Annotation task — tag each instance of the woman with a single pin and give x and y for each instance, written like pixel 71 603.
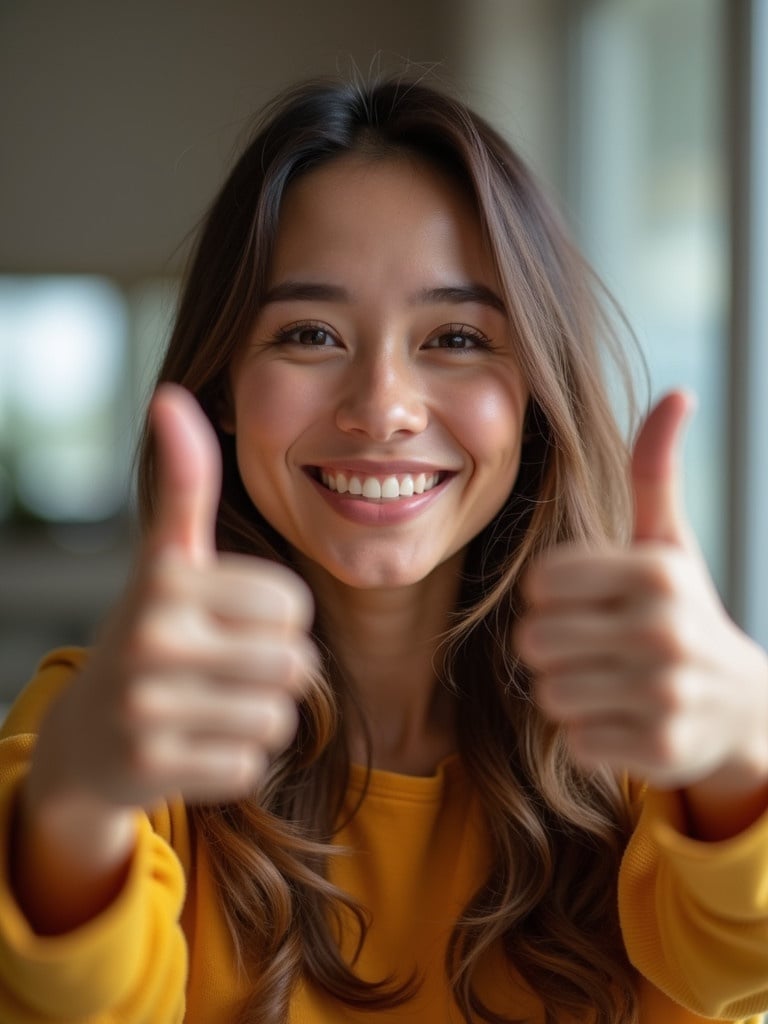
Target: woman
pixel 354 742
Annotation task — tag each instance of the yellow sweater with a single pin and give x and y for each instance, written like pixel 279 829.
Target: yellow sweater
pixel 694 915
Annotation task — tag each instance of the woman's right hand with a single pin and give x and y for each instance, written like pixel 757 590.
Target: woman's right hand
pixel 189 693
pixel 194 684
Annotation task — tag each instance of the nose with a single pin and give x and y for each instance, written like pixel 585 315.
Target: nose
pixel 383 397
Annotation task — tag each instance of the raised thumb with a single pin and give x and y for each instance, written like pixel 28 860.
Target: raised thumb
pixel 188 474
pixel 656 477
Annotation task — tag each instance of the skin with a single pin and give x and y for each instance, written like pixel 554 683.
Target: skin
pixel 364 248
pixel 383 388
pixel 193 686
pixel 190 691
pixel 635 656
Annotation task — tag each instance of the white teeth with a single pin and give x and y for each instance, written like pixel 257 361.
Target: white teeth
pixel 378 488
pixel 390 488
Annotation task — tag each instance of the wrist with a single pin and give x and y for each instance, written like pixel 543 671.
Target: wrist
pixel 733 797
pixel 70 856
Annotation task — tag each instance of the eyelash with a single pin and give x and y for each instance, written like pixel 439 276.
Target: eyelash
pixel 478 339
pixel 287 336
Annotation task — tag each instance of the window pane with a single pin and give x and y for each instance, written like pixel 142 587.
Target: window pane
pixel 649 193
pixel 63 351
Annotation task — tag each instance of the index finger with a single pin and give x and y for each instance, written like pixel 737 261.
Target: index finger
pixel 241 588
pixel 575 574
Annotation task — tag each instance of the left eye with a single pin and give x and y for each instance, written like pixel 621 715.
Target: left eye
pixel 459 337
pixel 308 335
pixel 317 336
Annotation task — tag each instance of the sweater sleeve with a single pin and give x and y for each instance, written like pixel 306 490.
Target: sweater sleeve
pixel 694 915
pixel 124 966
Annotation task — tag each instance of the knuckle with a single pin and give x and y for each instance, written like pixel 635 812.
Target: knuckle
pixel 675 638
pixel 671 740
pixel 148 640
pixel 665 745
pixel 137 704
pixel 269 590
pixel 668 693
pixel 142 758
pixel 280 723
pixel 165 637
pixel 239 772
pixel 666 575
pixel 665 632
pixel 298 667
pixel 294 605
pixel 253 768
pixel 297 597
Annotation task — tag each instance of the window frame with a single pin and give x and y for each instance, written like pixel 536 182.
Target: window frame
pixel 748 421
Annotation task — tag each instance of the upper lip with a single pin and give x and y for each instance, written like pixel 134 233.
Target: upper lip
pixel 367 467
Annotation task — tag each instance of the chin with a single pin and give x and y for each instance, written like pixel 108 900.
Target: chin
pixel 378 579
pixel 384 573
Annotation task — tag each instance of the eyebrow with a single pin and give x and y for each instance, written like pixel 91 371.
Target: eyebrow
pixel 318 292
pixel 303 290
pixel 457 294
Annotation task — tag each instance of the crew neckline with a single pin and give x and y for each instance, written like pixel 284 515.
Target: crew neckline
pixel 380 782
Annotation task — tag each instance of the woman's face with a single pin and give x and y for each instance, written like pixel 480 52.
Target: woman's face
pixel 378 403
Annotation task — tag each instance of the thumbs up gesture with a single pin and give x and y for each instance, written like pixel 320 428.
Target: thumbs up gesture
pixel 194 685
pixel 631 649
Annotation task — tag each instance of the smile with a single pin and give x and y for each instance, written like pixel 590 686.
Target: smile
pixel 379 488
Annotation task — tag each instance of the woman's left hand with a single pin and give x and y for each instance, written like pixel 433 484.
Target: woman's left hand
pixel 633 652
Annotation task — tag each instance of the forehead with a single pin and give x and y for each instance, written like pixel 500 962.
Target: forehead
pixel 362 210
pixel 400 170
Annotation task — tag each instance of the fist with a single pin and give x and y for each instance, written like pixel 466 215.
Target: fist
pixel 195 683
pixel 631 650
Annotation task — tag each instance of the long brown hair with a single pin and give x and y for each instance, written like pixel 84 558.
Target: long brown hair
pixel 557 833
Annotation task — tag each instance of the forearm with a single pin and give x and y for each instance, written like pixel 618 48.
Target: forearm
pixel 66 864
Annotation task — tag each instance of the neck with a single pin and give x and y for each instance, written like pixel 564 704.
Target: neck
pixel 387 643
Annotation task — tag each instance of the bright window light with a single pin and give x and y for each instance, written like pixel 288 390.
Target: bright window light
pixel 63 356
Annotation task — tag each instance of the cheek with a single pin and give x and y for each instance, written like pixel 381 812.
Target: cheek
pixel 271 408
pixel 489 423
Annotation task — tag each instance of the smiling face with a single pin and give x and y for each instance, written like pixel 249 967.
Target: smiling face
pixel 377 404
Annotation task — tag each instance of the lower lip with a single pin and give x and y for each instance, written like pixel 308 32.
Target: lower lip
pixel 379 513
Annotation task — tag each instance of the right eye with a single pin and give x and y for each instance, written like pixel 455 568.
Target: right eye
pixel 306 334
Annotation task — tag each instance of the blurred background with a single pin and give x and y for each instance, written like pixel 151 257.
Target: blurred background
pixel 646 119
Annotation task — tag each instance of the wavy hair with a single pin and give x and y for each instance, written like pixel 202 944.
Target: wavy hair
pixel 557 833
